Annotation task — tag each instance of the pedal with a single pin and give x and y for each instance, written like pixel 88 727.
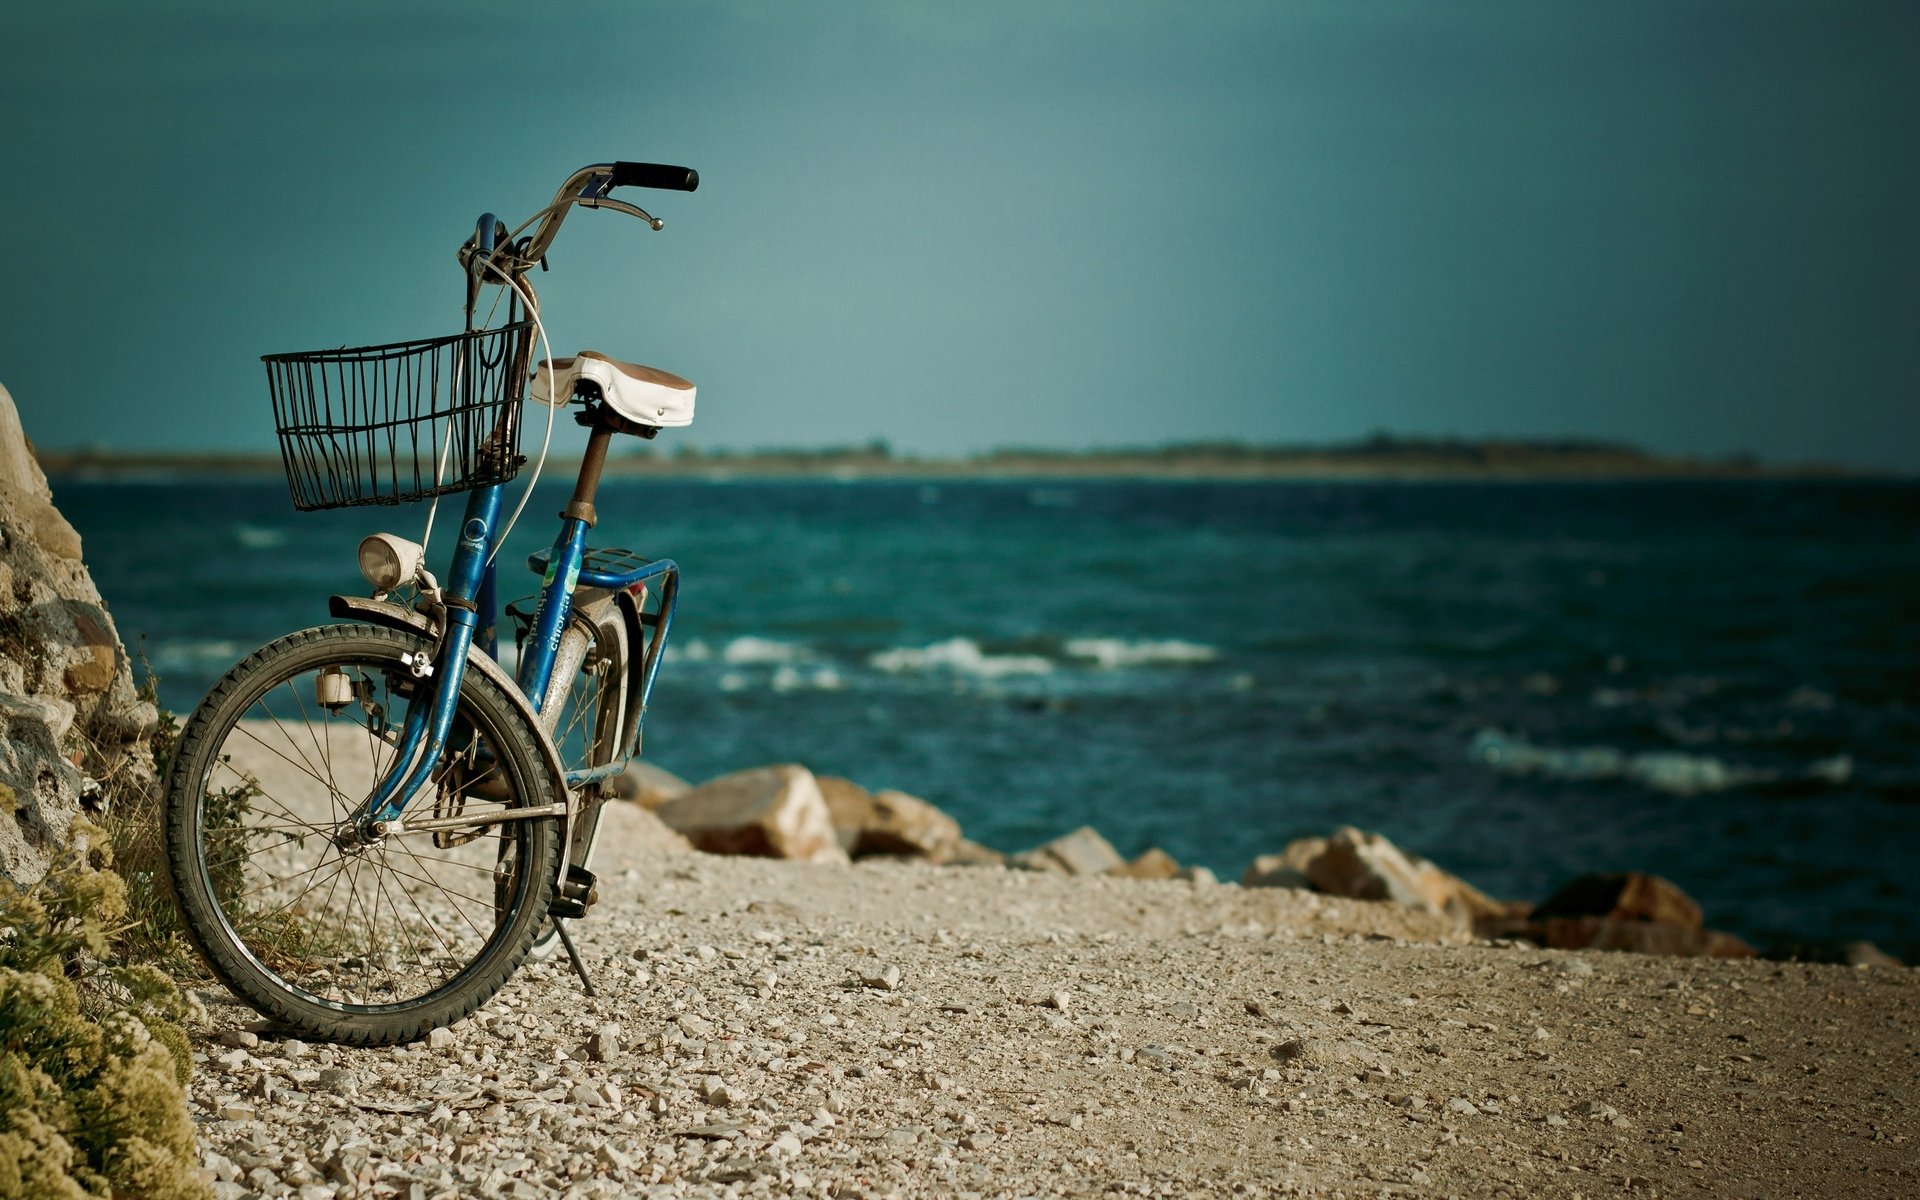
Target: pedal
pixel 575 894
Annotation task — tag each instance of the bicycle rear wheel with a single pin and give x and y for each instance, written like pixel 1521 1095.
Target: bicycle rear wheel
pixel 372 941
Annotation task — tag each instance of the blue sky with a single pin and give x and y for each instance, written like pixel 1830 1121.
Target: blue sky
pixel 958 226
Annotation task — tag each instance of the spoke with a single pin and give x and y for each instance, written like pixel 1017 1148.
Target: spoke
pixel 326 756
pixel 438 886
pixel 281 726
pixel 241 727
pixel 430 923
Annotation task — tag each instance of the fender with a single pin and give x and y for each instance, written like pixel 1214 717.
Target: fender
pixel 636 671
pixel 392 616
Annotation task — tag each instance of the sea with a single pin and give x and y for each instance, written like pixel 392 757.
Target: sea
pixel 1718 682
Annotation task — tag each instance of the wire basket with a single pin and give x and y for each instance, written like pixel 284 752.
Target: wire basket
pixel 400 422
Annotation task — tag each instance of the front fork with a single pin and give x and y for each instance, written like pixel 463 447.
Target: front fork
pixel 423 737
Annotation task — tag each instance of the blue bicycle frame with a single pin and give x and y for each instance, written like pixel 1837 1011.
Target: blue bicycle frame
pixel 469 608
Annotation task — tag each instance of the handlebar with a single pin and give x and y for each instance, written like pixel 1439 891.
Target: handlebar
pixel 511 256
pixel 655 175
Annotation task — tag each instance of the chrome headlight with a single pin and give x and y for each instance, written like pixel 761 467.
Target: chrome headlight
pixel 388 561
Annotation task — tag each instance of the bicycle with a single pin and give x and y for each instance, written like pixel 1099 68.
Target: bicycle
pixel 370 824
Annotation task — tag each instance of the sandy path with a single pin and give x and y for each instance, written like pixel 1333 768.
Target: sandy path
pixel 888 1029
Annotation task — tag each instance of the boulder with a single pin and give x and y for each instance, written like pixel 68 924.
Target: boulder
pixel 1866 954
pixel 1639 937
pixel 1366 866
pixel 649 786
pixel 888 822
pixel 1082 852
pixel 73 730
pixel 848 806
pixel 1287 868
pixel 633 836
pixel 1153 863
pixel 1627 910
pixel 774 812
pixel 904 824
pixel 973 854
pixel 1623 896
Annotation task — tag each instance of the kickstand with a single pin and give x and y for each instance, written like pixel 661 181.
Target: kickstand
pixel 579 968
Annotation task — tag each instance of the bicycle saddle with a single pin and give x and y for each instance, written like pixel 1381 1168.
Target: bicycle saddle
pixel 643 395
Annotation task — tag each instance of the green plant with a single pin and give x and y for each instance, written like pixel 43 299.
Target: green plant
pixel 93 1061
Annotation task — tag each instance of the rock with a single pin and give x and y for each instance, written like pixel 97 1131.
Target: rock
pixel 973 854
pixel 604 1045
pixel 1153 863
pixel 848 805
pixel 1366 866
pixel 1639 937
pixel 1197 876
pixel 647 785
pixel 1287 868
pixel 239 1039
pixel 904 824
pixel 773 812
pixel 440 1039
pixel 1866 954
pixel 1624 896
pixel 66 691
pixel 887 980
pixel 1461 1106
pixel 1631 911
pixel 887 822
pixel 1082 852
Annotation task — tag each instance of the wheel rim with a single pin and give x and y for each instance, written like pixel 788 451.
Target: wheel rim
pixel 387 924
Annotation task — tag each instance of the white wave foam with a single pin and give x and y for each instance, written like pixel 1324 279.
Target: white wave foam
pixel 1112 653
pixel 961 655
pixel 759 651
pixel 259 537
pixel 791 679
pixel 691 650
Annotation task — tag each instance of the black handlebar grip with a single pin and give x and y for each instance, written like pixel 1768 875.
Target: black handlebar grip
pixel 655 175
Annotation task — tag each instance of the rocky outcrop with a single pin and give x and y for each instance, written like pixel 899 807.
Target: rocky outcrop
pixel 73 731
pixel 1623 911
pixel 774 812
pixel 1153 863
pixel 1623 896
pixel 1367 866
pixel 647 785
pixel 1082 852
pixel 888 822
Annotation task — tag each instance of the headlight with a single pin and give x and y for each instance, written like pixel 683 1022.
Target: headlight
pixel 388 561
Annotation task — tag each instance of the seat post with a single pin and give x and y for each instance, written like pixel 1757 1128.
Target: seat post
pixel 580 508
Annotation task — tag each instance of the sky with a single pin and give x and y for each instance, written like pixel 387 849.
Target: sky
pixel 1692 226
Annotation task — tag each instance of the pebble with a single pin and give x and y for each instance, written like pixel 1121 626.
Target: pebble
pixel 240 1039
pixel 1463 1106
pixel 440 1039
pixel 887 979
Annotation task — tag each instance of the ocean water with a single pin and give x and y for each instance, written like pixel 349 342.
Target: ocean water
pixel 1717 682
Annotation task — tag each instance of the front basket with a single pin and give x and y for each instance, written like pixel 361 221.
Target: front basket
pixel 390 424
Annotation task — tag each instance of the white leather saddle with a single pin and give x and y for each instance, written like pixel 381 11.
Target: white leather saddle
pixel 643 395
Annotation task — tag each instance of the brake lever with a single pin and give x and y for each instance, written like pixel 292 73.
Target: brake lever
pixel 632 210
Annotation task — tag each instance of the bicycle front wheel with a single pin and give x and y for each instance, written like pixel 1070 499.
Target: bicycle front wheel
pixel 365 940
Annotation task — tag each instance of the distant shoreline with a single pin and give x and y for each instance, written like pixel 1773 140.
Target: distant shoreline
pixel 1379 459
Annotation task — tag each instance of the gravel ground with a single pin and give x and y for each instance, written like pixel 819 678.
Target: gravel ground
pixel 886 1029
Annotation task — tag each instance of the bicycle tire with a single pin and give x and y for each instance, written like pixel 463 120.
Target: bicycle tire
pixel 589 725
pixel 320 963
